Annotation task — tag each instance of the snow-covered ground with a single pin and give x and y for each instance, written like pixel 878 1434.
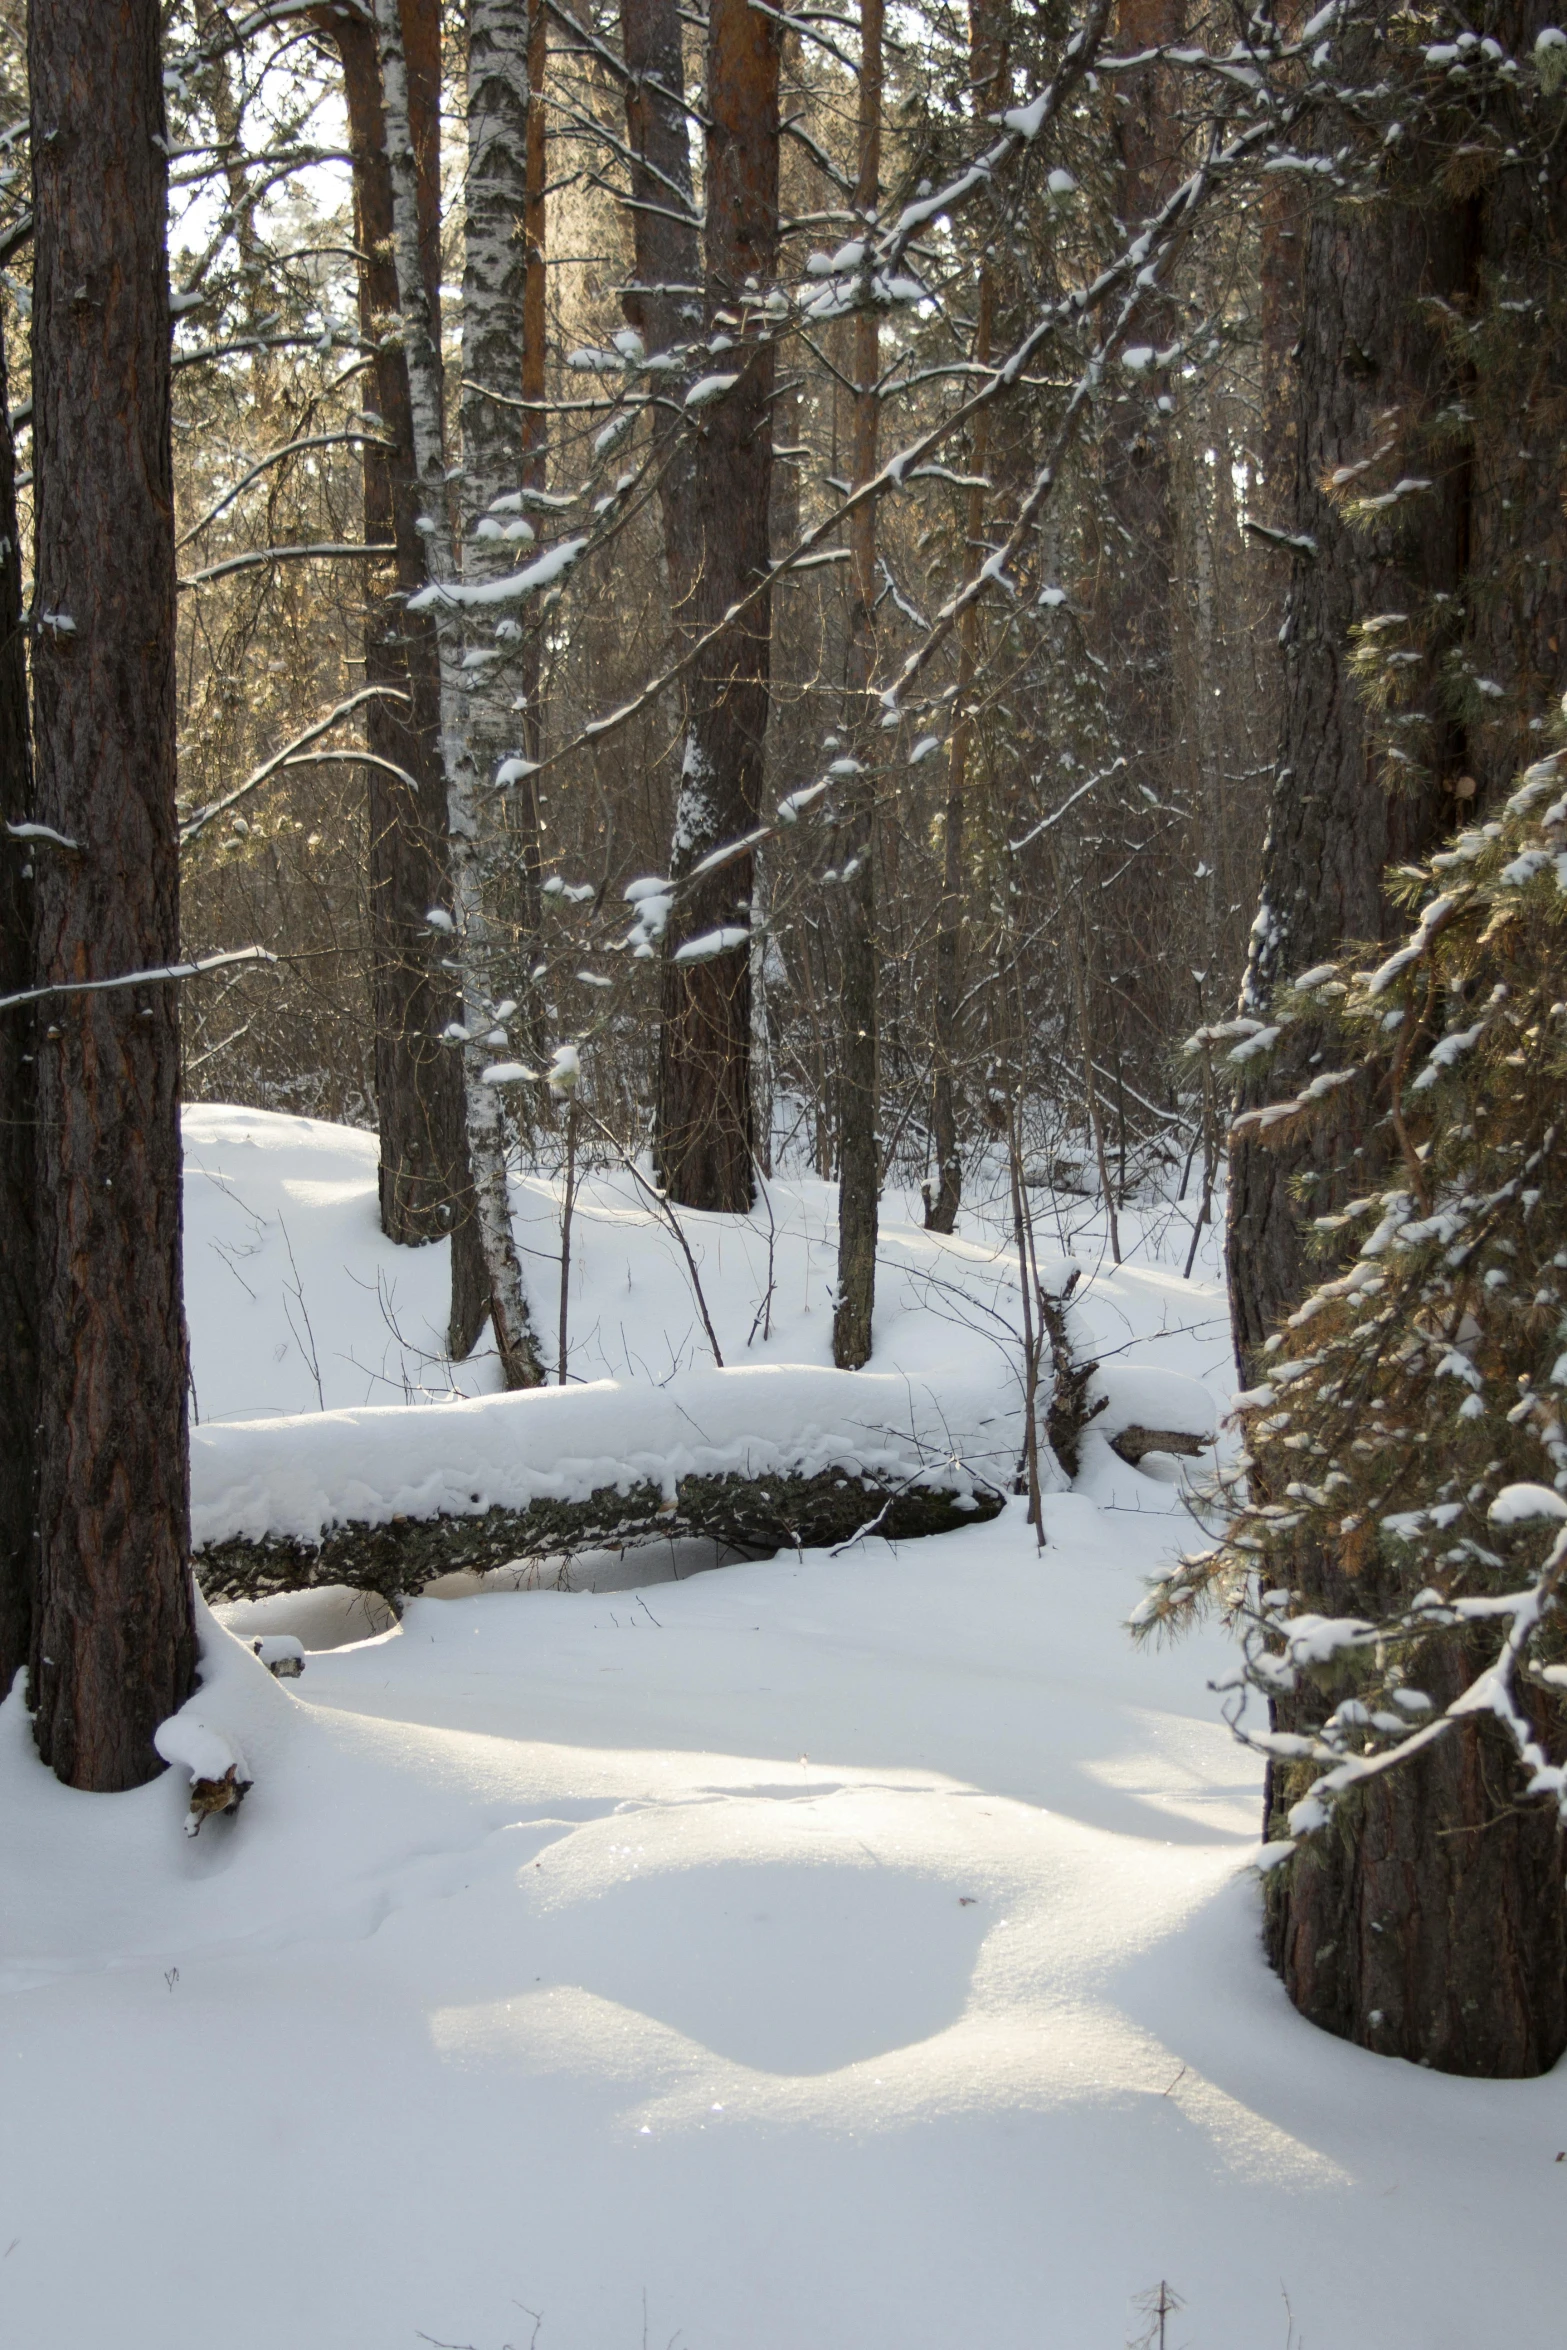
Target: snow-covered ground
pixel 852 1951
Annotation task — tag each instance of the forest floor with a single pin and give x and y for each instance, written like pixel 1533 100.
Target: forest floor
pixel 831 1952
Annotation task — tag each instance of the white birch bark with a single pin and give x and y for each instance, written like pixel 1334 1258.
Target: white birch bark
pixel 471 936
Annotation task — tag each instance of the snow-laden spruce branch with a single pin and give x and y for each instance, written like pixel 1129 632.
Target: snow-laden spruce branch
pixel 161 972
pixel 198 821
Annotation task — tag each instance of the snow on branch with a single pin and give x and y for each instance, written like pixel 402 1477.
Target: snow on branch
pixel 326 551
pixel 202 817
pixel 162 971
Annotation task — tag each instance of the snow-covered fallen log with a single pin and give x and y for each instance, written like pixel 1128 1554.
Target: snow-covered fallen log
pixel 390 1497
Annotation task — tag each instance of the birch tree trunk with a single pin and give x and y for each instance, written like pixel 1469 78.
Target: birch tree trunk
pixel 523 821
pixel 426 1190
pixel 704 1134
pixel 114 1650
pixel 859 1148
pixel 470 931
pixel 18 1107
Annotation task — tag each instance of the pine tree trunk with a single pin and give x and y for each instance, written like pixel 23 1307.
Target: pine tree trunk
pixel 664 302
pixel 704 1142
pixel 1433 1924
pixel 859 1147
pixel 426 1190
pixel 18 1106
pixel 114 1651
pixel 990 28
pixel 470 933
pixel 1366 346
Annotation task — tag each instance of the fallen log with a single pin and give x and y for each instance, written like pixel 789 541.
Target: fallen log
pixel 761 1514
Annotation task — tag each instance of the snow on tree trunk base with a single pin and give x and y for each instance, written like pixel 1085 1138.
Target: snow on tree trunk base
pixel 761 1514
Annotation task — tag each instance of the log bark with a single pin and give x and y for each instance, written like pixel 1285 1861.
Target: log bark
pixel 114 1650
pixel 426 1190
pixel 704 1128
pixel 18 1106
pixel 784 1513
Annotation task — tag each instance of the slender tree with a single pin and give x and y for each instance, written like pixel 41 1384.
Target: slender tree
pixel 989 44
pixel 859 1147
pixel 426 1190
pixel 465 812
pixel 663 302
pixel 18 1103
pixel 704 1141
pixel 114 1650
pixel 524 821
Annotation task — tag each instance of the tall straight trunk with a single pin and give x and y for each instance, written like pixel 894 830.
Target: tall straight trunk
pixel 1435 1926
pixel 426 1190
pixel 114 1650
pixel 859 1149
pixel 664 302
pixel 1134 604
pixel 704 1142
pixel 523 821
pixel 470 931
pixel 989 40
pixel 494 303
pixel 18 1106
pixel 1368 345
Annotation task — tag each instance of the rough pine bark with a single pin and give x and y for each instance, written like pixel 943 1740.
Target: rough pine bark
pixel 859 1147
pixel 1433 1924
pixel 704 1136
pixel 18 1106
pixel 114 1651
pixel 664 300
pixel 1430 1923
pixel 426 1190
pixel 1368 346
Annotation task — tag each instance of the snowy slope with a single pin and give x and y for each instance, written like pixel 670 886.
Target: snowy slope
pixel 851 1951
